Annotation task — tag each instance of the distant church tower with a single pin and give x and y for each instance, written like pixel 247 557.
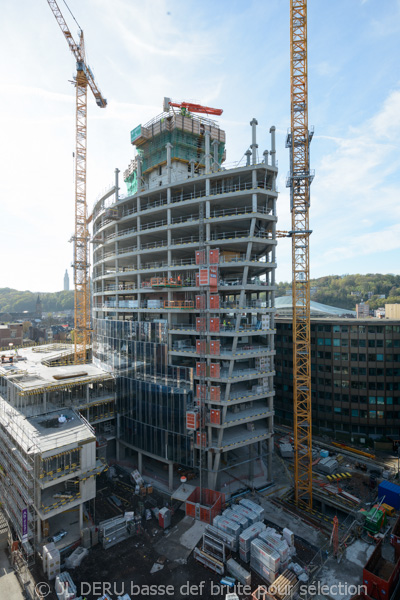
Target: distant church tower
pixel 39 308
pixel 66 281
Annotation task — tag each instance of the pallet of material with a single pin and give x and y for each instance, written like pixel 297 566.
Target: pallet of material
pixel 238 572
pixel 250 515
pixel 283 585
pixel 237 517
pixel 208 561
pixel 228 526
pixel 254 507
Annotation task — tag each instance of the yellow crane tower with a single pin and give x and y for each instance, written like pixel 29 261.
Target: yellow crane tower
pixel 84 78
pixel 299 180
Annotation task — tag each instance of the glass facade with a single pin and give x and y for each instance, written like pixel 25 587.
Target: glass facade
pixel 152 395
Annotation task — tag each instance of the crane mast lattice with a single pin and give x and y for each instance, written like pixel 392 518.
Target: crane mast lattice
pixel 299 180
pixel 84 78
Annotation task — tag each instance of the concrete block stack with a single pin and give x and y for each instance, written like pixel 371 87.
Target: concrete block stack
pixel 52 563
pixel 280 546
pixel 251 516
pixel 246 537
pixel 237 517
pixel 254 507
pixel 228 526
pixel 264 560
pixel 238 572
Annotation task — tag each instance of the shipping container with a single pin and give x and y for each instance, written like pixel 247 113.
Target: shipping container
pixel 391 492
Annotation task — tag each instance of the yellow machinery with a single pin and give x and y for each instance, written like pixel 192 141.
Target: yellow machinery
pixel 84 77
pixel 299 180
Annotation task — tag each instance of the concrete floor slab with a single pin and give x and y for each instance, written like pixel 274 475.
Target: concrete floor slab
pixel 9 584
pixel 181 540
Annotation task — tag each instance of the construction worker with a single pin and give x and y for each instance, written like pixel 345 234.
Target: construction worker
pixel 224 324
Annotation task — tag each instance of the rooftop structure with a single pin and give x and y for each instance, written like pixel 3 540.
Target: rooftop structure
pixel 184 283
pixel 284 305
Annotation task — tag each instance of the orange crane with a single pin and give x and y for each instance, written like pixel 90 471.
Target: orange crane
pixel 189 106
pixel 84 78
pixel 299 180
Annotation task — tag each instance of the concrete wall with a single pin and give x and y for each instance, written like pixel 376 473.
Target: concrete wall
pixel 392 311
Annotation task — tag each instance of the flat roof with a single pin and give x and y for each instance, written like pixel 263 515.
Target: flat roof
pixel 30 376
pixel 46 434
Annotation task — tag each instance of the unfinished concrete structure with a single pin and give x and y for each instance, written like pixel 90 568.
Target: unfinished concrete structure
pixel 184 300
pixel 48 454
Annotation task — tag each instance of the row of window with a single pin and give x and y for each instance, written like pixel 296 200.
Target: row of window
pixel 355 342
pixel 380 329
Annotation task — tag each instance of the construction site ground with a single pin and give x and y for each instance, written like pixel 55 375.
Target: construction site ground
pixel 156 557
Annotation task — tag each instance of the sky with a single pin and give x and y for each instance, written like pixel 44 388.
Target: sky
pixel 228 54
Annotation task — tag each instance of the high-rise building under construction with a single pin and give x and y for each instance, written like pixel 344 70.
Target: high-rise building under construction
pixel 184 283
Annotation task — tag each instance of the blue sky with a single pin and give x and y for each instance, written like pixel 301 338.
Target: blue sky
pixel 228 54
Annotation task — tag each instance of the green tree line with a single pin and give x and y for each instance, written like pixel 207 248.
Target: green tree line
pixel 17 301
pixel 336 290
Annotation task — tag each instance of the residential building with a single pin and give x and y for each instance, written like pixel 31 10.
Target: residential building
pixel 362 310
pixel 184 283
pixel 11 334
pixel 392 311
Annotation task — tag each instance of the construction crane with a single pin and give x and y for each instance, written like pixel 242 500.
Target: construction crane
pixel 190 107
pixel 299 180
pixel 84 78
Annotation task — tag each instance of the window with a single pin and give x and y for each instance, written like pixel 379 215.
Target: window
pixel 345 356
pixel 160 169
pixel 361 329
pixel 362 371
pixel 345 329
pixel 320 341
pixel 337 409
pixel 336 342
pixel 354 370
pixel 380 414
pixel 372 399
pixel 380 400
pixel 371 343
pixel 345 342
pixel 336 356
pixel 389 400
pixel 362 357
pixel 328 341
pixel 372 414
pixel 336 329
pixel 362 343
pixel 353 357
pixel 379 357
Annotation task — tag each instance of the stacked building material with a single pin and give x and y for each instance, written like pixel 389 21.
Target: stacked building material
pixel 280 546
pixel 113 531
pixel 230 541
pixel 238 572
pixel 75 559
pixel 53 563
pixel 254 507
pixel 246 538
pixel 214 546
pixel 264 560
pixel 250 515
pixel 230 527
pixel 237 517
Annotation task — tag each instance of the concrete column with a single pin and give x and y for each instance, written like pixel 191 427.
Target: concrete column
pixel 139 173
pixel 81 517
pixel 169 165
pixel 269 457
pixel 254 144
pixel 273 146
pixel 247 155
pixel 116 185
pixel 208 152
pixel 192 162
pixel 38 530
pixel 215 144
pixel 140 462
pixel 171 476
pixel 265 155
